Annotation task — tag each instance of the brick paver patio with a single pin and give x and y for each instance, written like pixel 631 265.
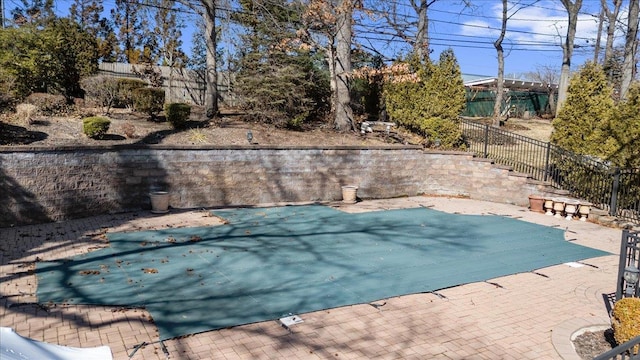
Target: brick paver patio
pixel 511 317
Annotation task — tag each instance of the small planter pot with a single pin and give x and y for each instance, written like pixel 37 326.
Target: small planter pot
pixel 536 203
pixel 548 206
pixel 558 207
pixel 159 202
pixel 571 208
pixel 349 194
pixel 584 210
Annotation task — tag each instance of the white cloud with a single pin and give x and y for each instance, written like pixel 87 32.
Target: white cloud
pixel 543 23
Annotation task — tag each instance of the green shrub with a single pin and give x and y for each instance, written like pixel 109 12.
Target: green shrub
pixel 95 127
pixel 581 124
pixel 626 320
pixel 125 87
pixel 148 100
pixel 177 114
pixel 47 58
pixel 48 104
pixel 624 128
pixel 427 98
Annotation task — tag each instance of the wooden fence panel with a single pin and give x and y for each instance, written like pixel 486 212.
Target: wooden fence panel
pixel 180 84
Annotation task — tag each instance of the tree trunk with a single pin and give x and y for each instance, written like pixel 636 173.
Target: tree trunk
pixel 333 80
pixel 500 85
pixel 567 50
pixel 629 64
pixel 552 100
pixel 612 17
pixel 422 34
pixel 596 52
pixel 211 73
pixel 343 115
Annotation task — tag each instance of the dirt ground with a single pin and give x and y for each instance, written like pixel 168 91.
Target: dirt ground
pixel 128 127
pixel 594 343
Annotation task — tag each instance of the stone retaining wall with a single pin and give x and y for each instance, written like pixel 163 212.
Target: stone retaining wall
pixel 41 185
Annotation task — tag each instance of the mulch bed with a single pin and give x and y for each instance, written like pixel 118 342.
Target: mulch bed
pixel 594 343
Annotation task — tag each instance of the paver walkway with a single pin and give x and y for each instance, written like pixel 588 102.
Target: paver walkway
pixel 511 317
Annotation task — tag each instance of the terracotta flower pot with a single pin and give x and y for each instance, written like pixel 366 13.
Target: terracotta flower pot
pixel 536 203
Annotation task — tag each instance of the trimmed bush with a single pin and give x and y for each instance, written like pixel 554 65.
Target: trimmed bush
pixel 125 91
pixel 177 114
pixel 626 320
pixel 48 104
pixel 148 100
pixel 95 127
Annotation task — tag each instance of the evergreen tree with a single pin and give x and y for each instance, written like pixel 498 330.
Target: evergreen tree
pixel 107 41
pixel 51 60
pixel 167 32
pixel 128 20
pixel 624 129
pixel 33 12
pixel 87 14
pixel 581 125
pixel 427 98
pixel 366 87
pixel 277 82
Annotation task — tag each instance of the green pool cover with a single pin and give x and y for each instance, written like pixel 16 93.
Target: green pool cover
pixel 268 262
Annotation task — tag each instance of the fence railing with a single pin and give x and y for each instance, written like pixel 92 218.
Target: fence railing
pixel 627 351
pixel 609 188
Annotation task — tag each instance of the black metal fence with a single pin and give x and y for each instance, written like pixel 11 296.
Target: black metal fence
pixel 609 188
pixel 626 351
pixel 629 257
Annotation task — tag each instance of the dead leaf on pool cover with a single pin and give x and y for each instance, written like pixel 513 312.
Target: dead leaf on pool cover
pixel 150 271
pixel 89 272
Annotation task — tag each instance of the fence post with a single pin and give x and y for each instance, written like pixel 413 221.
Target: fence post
pixel 486 141
pixel 546 161
pixel 614 191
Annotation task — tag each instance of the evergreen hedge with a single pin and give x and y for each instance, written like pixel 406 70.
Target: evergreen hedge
pixel 126 86
pixel 428 98
pixel 177 114
pixel 148 100
pixel 95 127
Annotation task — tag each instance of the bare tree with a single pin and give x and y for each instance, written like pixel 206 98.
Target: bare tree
pixel 415 33
pixel 631 41
pixel 497 105
pixel 211 74
pixel 500 52
pixel 331 20
pixel 207 10
pixel 612 17
pixel 344 114
pixel 548 76
pixel 567 49
pixel 596 52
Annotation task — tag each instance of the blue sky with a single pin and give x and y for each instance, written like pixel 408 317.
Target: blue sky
pixel 532 40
